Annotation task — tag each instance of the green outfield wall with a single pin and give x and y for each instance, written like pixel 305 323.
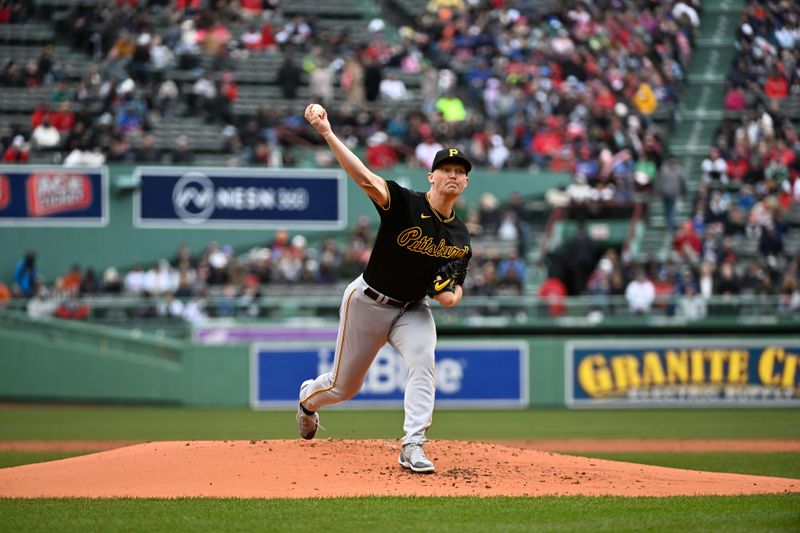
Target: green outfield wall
pixel 121 244
pixel 56 360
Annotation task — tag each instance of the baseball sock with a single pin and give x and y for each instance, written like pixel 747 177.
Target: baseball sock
pixel 306 411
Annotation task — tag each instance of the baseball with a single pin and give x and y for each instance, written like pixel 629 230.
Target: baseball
pixel 317 109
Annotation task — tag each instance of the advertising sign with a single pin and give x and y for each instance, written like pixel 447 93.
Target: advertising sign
pixel 53 196
pixel 467 374
pixel 206 198
pixel 682 372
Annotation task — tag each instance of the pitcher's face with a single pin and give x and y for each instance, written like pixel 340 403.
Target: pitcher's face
pixel 448 179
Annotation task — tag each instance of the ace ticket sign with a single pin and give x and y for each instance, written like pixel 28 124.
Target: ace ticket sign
pixel 44 196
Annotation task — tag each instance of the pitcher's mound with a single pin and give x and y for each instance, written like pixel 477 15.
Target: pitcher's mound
pixel 326 468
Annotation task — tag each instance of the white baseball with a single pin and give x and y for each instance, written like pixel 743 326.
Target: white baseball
pixel 317 110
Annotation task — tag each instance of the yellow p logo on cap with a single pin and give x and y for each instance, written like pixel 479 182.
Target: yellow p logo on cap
pixel 453 152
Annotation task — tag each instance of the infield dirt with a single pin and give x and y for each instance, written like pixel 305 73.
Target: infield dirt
pixel 330 468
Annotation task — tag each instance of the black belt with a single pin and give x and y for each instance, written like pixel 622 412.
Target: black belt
pixel 382 299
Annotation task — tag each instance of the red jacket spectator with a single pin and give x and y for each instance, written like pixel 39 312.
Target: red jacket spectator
pixel 553 291
pixel 252 8
pixel 776 87
pixel 228 87
pixel 267 36
pixel 379 153
pixel 605 99
pixel 739 166
pixel 735 100
pixel 685 238
pixel 18 151
pixel 188 5
pixel 663 293
pixel 547 142
pixel 39 113
pixel 63 119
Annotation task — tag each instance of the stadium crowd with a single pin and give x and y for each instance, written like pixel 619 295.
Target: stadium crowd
pixel 587 88
pixel 575 87
pixel 181 286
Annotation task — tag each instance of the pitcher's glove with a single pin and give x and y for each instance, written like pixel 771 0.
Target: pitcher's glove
pixel 448 276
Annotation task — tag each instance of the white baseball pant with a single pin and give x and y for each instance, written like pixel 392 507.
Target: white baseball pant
pixel 364 327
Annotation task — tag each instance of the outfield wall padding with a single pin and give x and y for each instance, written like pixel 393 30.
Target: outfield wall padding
pixel 57 360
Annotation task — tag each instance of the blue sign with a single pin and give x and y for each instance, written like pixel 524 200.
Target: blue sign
pixel 467 374
pixel 53 196
pixel 207 198
pixel 677 372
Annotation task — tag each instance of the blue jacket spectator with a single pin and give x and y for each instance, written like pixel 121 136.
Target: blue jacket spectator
pixel 25 275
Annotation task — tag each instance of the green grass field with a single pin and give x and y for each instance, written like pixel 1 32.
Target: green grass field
pixel 413 515
pixel 465 515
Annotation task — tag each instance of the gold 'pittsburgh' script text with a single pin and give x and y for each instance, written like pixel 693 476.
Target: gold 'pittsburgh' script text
pixel 413 240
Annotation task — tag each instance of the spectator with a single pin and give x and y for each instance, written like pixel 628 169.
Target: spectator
pixel 41 305
pixel 260 156
pixel 579 256
pixel 181 153
pixel 512 272
pixel 776 87
pixel 45 135
pixel 320 81
pixel 770 243
pixel 12 76
pixel 379 153
pixel 251 38
pixel 5 295
pixel 691 305
pixel 426 150
pixel 715 168
pixel 204 92
pixel 289 77
pixel 640 293
pixel 18 151
pixel 159 279
pixel 735 99
pixel 727 282
pixel 671 186
pixel 167 98
pixel 26 275
pixel 71 281
pixel 599 285
pixel 82 156
pixel 789 298
pixel 134 280
pixel 645 99
pixel 352 81
pixel 451 107
pixel 392 88
pixel 148 152
pixel 553 292
pixel 373 75
pixel 498 153
pixel 111 282
pixel 297 32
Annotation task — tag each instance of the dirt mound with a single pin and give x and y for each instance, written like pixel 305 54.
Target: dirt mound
pixel 328 468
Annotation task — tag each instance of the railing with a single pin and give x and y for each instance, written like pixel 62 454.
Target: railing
pixel 503 310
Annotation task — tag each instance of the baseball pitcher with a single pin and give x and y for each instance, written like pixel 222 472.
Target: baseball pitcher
pixel 422 249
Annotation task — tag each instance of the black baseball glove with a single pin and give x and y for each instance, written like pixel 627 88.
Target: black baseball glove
pixel 448 276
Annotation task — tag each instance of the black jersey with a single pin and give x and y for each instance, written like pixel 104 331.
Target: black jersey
pixel 413 241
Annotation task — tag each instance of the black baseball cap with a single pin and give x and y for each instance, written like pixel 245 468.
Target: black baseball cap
pixel 450 154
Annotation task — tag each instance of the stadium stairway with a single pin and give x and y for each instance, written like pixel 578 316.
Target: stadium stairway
pixel 698 116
